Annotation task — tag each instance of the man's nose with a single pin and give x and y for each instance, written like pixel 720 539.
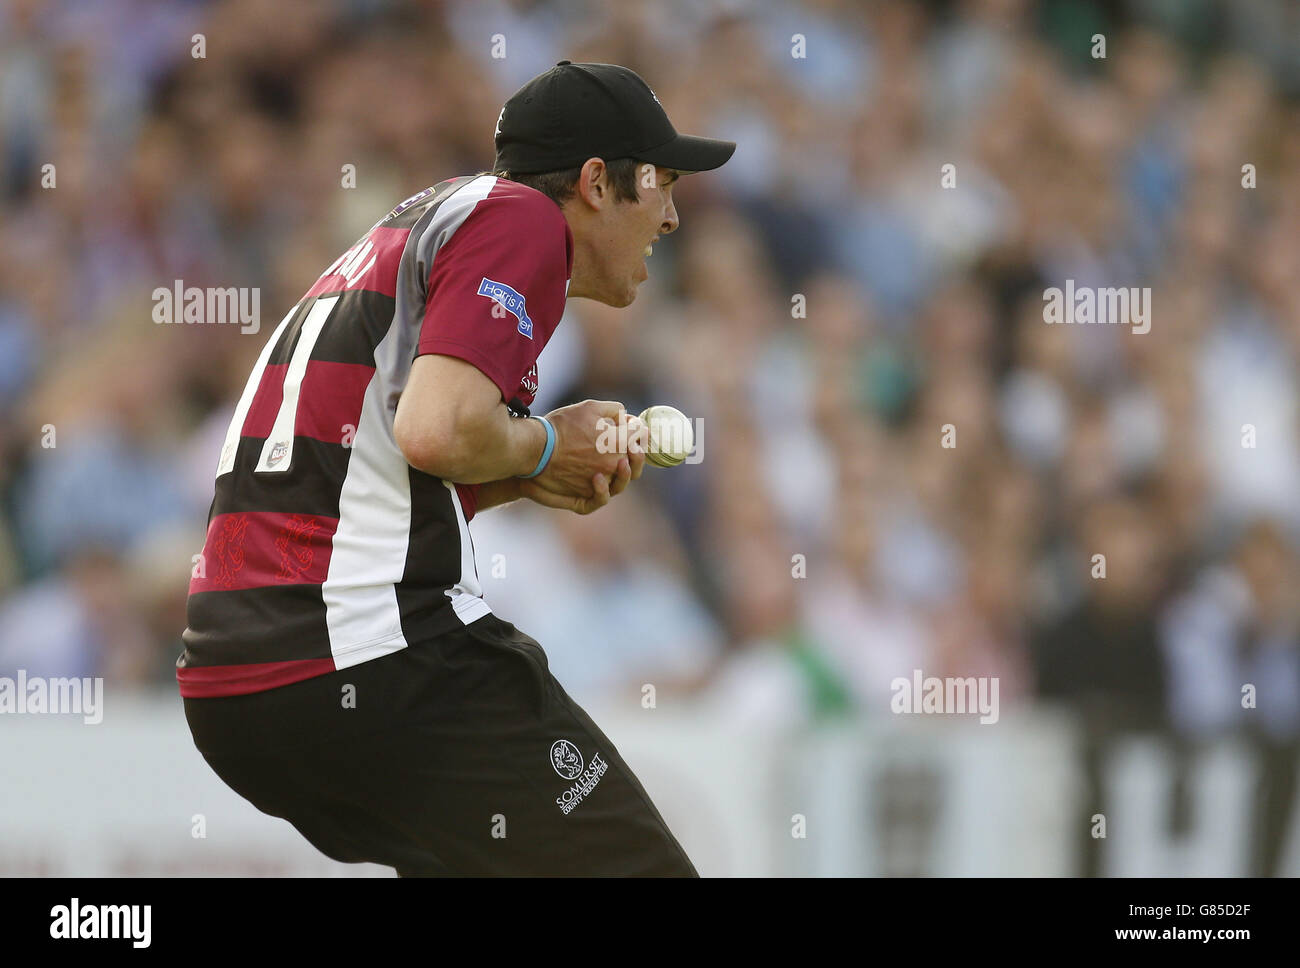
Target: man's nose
pixel 670 220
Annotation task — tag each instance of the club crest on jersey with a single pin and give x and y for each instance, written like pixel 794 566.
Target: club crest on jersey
pixel 509 300
pixel 566 759
pixel 567 762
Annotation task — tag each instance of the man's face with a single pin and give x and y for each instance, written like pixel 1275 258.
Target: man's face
pixel 625 232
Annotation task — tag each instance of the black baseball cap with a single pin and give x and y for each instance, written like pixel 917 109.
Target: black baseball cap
pixel 573 112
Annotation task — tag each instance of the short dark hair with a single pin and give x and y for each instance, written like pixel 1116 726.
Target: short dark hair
pixel 560 186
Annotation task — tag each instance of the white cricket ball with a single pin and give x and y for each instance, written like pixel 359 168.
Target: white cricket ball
pixel 671 435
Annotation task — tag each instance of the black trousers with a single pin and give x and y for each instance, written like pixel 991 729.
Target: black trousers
pixel 460 755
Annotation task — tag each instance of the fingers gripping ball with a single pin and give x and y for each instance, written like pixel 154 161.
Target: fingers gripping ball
pixel 671 435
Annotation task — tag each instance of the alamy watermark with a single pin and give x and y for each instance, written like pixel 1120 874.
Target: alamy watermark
pixel 949 696
pixel 674 439
pixel 78 922
pixel 31 695
pixel 212 306
pixel 1109 305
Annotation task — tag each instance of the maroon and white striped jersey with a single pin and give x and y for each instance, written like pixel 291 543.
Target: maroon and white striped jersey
pixel 325 548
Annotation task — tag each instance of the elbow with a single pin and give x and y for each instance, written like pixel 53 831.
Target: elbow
pixel 437 450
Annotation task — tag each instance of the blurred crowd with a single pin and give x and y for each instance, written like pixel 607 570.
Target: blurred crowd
pixel 835 311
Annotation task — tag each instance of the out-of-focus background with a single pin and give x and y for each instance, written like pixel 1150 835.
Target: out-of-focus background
pixel 826 308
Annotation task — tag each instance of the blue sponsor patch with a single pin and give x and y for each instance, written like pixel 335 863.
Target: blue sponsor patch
pixel 509 300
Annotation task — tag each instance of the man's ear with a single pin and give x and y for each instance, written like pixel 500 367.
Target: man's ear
pixel 593 183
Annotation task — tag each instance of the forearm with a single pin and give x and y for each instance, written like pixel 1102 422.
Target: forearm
pixel 494 493
pixel 451 422
pixel 495 449
pixel 477 449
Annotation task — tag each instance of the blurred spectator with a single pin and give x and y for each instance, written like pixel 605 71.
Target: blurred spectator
pixel 1233 643
pixel 1103 657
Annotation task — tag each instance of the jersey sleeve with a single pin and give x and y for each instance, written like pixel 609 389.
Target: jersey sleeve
pixel 468 494
pixel 497 286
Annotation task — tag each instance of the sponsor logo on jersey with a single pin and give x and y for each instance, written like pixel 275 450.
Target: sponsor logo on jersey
pixel 509 300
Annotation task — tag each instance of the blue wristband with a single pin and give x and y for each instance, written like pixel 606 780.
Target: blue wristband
pixel 548 450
